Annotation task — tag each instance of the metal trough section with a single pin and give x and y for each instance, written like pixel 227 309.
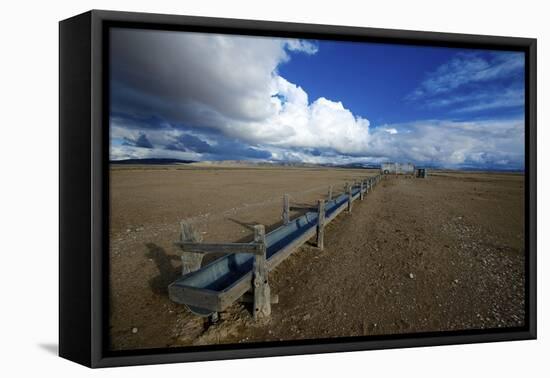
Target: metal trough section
pixel 217 285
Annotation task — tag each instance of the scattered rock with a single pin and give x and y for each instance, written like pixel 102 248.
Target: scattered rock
pixel 411 276
pixel 306 317
pixel 134 330
pixel 371 327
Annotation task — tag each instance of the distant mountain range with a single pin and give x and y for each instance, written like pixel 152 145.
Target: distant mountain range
pixel 164 161
pixel 156 161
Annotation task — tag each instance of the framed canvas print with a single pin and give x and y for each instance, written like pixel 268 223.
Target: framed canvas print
pixel 234 188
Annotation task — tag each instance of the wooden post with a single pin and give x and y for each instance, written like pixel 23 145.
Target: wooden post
pixel 321 224
pixel 190 261
pixel 286 209
pixel 330 193
pixel 349 198
pixel 262 292
pixel 361 191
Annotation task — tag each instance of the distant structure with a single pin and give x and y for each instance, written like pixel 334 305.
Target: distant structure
pixel 421 173
pixel 397 168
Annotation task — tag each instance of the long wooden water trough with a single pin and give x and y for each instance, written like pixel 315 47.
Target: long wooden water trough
pixel 242 274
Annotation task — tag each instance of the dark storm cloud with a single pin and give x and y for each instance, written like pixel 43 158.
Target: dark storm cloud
pixel 140 141
pixel 132 121
pixel 187 142
pixel 189 76
pixel 223 149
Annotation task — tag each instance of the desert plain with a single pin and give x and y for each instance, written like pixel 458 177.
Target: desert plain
pixel 416 255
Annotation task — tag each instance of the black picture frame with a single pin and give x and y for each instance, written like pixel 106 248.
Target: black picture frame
pixel 84 187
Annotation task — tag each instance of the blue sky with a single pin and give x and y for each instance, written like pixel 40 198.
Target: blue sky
pixel 352 72
pixel 212 97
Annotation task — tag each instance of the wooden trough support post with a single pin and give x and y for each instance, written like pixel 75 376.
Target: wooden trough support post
pixel 190 261
pixel 286 209
pixel 262 292
pixel 361 195
pixel 321 224
pixel 330 193
pixel 350 197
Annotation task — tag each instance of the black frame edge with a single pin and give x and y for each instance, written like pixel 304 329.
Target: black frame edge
pixel 531 157
pixel 75 308
pixel 260 352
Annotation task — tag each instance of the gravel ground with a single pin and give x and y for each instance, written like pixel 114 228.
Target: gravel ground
pixel 446 253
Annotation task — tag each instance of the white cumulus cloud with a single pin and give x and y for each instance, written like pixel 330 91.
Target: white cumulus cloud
pixel 229 83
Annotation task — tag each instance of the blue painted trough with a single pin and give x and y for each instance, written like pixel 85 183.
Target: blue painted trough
pixel 219 284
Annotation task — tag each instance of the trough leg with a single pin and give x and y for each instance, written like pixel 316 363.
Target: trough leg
pixel 190 261
pixel 321 224
pixel 361 191
pixel 262 292
pixel 330 193
pixel 214 318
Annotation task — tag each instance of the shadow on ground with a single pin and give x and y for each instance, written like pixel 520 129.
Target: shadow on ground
pixel 51 348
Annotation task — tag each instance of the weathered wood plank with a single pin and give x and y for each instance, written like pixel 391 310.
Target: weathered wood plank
pixel 321 224
pixel 350 197
pixel 262 292
pixel 286 209
pixel 220 248
pixel 190 261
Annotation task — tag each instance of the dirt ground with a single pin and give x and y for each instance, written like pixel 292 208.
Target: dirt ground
pixel 445 253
